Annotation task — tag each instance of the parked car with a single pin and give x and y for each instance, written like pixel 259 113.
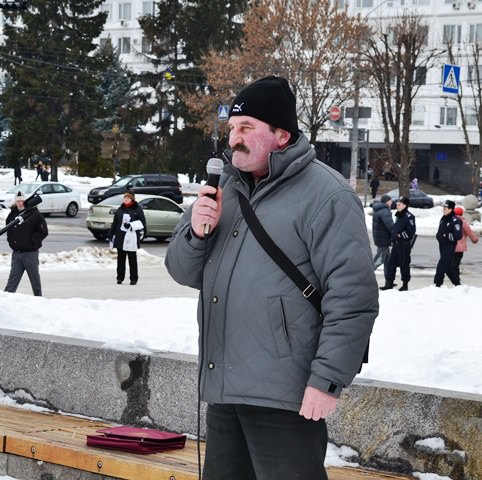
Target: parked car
pixel 149 184
pixel 162 216
pixel 56 197
pixel 418 199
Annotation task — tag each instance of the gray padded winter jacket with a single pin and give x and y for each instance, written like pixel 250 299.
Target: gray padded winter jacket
pixel 263 341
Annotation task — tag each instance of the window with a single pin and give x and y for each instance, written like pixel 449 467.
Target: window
pixel 107 7
pixel 475 33
pixel 452 34
pixel 418 115
pixel 364 3
pixel 104 42
pixel 146 46
pixel 420 76
pixel 473 77
pixel 470 115
pixel 448 115
pixel 420 2
pixel 124 45
pixel 124 11
pixel 147 8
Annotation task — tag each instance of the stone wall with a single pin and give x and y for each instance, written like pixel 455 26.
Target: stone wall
pixel 385 423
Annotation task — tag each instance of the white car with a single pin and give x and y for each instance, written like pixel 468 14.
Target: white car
pixel 162 215
pixel 56 197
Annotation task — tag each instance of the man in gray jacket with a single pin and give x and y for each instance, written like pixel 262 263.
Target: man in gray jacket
pixel 272 368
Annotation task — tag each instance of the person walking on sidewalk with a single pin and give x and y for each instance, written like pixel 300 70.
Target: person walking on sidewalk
pixel 25 240
pixel 129 212
pixel 461 246
pixel 382 231
pixel 448 234
pixel 403 233
pixel 268 370
pixel 374 184
pixel 17 172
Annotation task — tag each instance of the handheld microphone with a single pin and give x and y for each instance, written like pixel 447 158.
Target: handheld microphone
pixel 214 169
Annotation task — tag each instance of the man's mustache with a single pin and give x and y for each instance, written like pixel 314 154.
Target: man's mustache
pixel 240 147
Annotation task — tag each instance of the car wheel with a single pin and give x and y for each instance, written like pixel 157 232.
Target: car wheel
pixel 142 235
pixel 72 209
pixel 100 235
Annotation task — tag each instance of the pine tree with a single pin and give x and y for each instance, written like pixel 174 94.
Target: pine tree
pixel 54 94
pixel 180 33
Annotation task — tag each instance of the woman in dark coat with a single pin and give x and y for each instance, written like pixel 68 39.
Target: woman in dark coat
pixel 128 212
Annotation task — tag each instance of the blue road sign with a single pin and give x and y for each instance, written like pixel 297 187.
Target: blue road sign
pixel 223 111
pixel 451 79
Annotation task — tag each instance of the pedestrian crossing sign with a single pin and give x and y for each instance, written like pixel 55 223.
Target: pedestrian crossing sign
pixel 451 79
pixel 223 112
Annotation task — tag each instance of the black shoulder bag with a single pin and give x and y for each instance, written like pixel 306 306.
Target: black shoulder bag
pixel 308 290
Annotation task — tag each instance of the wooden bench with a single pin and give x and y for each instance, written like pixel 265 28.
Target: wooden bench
pixel 61 440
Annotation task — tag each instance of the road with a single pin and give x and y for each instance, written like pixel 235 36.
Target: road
pixel 67 234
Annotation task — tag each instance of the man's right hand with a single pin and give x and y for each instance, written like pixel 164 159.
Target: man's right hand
pixel 205 210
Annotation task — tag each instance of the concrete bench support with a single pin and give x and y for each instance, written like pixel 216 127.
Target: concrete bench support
pixel 385 423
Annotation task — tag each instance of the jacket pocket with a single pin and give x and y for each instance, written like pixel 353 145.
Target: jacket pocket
pixel 279 327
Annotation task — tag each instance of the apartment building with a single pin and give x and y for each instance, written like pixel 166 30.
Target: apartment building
pixel 436 132
pixel 123 30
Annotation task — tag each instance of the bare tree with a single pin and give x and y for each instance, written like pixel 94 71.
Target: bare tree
pixel 397 59
pixel 309 43
pixel 472 153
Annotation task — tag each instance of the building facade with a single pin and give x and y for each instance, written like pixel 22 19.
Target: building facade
pixel 437 137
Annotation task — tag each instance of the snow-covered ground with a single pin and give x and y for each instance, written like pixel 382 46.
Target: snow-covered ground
pixel 428 336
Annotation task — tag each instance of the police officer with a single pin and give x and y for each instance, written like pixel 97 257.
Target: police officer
pixel 449 232
pixel 402 234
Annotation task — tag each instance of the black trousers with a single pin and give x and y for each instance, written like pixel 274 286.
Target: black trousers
pixel 399 257
pixel 456 262
pixel 121 265
pixel 445 265
pixel 246 442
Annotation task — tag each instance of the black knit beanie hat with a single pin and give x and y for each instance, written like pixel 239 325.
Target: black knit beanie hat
pixel 270 100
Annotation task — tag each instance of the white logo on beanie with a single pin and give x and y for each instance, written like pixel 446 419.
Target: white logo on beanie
pixel 238 107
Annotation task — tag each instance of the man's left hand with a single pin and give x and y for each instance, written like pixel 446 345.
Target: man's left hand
pixel 317 404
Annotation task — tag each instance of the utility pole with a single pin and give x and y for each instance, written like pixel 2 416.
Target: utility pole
pixel 354 130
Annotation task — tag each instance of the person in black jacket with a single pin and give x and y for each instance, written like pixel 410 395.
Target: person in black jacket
pixel 17 172
pixel 374 184
pixel 402 234
pixel 448 234
pixel 128 212
pixel 382 231
pixel 25 239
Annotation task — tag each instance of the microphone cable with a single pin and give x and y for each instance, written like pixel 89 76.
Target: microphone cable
pixel 201 357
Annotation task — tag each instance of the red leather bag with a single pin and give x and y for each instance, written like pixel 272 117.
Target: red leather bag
pixel 136 440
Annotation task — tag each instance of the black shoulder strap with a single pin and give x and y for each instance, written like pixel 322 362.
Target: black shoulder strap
pixel 279 257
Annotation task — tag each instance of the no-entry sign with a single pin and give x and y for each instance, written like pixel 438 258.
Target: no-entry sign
pixel 334 113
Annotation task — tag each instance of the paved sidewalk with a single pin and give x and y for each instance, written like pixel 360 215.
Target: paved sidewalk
pixel 155 282
pixel 100 284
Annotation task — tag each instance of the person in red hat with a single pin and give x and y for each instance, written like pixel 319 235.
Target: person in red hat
pixel 127 219
pixel 461 246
